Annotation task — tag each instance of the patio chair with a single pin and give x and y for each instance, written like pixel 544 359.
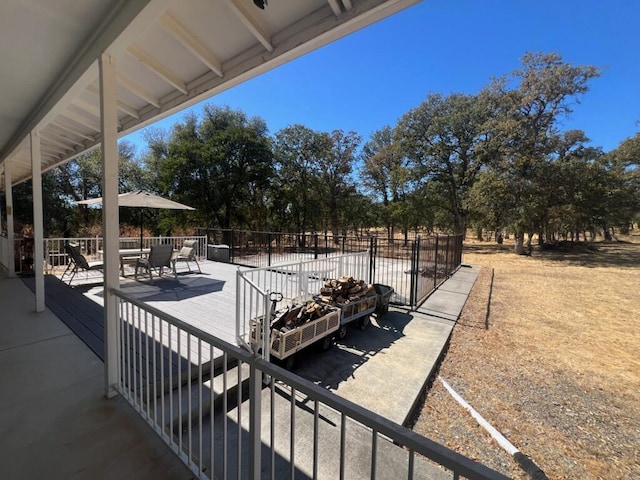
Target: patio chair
pixel 159 258
pixel 187 254
pixel 77 261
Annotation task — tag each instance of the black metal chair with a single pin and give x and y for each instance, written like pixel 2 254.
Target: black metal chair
pixel 187 254
pixel 159 258
pixel 77 262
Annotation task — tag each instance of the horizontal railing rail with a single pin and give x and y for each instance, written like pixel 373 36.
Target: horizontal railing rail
pixel 229 414
pixel 90 247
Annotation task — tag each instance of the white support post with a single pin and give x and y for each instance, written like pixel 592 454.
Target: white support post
pixel 255 423
pixel 110 218
pixel 8 191
pixel 38 236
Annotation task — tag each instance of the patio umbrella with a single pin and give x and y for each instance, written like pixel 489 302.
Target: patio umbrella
pixel 141 199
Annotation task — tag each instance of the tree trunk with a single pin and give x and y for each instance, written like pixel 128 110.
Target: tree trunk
pixel 519 245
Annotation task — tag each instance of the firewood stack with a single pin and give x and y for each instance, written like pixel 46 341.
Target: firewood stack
pixel 299 315
pixel 345 290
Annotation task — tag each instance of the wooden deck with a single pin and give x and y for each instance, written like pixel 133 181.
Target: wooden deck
pixel 205 300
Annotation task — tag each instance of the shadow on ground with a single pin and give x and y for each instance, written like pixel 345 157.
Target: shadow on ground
pixel 167 289
pixel 330 368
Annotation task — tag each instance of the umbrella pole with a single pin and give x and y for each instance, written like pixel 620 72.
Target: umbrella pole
pixel 141 230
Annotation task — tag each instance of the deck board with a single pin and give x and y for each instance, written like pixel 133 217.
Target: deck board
pixel 193 298
pixel 205 300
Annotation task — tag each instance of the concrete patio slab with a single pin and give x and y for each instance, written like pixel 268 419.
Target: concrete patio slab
pixel 55 420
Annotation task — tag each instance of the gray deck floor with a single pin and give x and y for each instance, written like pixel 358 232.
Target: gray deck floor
pixel 205 300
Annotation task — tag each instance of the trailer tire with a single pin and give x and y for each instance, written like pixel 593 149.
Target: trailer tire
pixel 342 332
pixel 290 362
pixel 327 343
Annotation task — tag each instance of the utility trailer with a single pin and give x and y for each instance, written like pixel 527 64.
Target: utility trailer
pixel 288 338
pixel 355 308
pixel 285 341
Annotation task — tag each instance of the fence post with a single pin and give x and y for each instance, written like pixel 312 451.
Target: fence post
pixel 372 258
pixel 315 246
pixel 412 269
pixel 417 269
pixel 269 249
pixel 447 259
pixel 435 265
pixel 326 245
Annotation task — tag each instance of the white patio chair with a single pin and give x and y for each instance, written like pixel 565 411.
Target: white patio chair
pixel 187 254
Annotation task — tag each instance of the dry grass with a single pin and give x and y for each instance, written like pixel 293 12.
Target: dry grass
pixel 557 371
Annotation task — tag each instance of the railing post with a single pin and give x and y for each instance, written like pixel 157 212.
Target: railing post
pixel 315 246
pixel 326 245
pixel 435 265
pixel 372 258
pixel 232 245
pixel 447 259
pixel 255 424
pixel 417 274
pixel 412 300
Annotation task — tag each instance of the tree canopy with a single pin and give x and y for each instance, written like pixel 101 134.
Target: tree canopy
pixel 497 161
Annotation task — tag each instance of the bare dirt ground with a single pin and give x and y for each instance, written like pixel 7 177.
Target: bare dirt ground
pixel 558 369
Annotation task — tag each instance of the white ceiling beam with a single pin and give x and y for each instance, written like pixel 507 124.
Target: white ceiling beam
pixel 93 110
pixel 53 151
pixel 244 15
pixel 80 119
pixel 138 90
pixel 52 139
pixel 159 68
pixel 73 130
pixel 123 107
pixel 335 6
pixel 191 43
pixel 90 109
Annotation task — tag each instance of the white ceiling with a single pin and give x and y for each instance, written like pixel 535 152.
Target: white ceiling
pixel 169 54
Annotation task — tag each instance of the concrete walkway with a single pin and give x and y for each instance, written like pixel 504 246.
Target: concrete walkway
pixel 383 368
pixel 386 367
pixel 54 419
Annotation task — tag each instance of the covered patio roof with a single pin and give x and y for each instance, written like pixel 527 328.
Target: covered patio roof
pixel 170 54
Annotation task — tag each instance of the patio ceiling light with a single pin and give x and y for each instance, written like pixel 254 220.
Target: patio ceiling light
pixel 260 3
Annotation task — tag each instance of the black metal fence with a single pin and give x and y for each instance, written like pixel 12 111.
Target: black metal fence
pixel 414 267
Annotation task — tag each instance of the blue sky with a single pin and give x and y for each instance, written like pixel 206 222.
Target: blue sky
pixel 372 77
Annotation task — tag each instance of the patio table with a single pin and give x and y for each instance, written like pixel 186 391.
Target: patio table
pixel 129 255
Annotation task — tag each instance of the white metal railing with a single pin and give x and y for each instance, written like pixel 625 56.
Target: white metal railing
pixel 90 246
pixel 296 282
pixel 229 414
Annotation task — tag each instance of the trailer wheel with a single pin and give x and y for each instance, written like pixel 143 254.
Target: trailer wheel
pixel 290 362
pixel 327 343
pixel 342 332
pixel 364 323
